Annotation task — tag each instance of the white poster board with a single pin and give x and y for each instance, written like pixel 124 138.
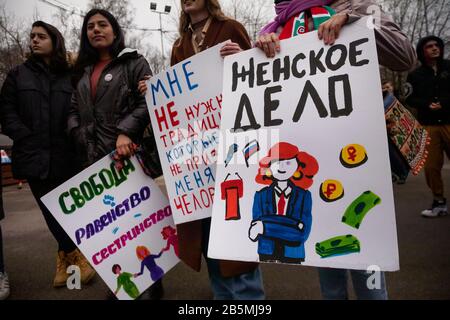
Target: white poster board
pixel 310 180
pixel 184 103
pixel 118 218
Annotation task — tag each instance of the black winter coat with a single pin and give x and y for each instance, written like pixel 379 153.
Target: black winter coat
pixel 117 108
pixel 428 87
pixel 34 106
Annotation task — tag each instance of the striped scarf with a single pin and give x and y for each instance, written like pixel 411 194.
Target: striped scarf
pixel 319 15
pixel 287 9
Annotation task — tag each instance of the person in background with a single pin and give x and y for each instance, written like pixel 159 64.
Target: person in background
pixel 388 87
pixel 429 85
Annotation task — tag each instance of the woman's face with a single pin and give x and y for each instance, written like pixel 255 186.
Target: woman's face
pixel 193 6
pixel 100 32
pixel 40 42
pixel 283 170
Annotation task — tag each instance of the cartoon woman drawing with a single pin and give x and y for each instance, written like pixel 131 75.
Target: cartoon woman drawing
pixel 170 234
pixel 282 211
pixel 148 260
pixel 124 279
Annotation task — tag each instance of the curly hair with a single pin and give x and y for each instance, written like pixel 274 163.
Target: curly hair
pixel 307 165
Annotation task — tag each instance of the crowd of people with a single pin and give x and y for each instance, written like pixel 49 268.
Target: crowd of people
pixel 63 115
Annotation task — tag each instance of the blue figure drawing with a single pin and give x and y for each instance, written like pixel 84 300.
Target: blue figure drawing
pixel 282 211
pixel 148 261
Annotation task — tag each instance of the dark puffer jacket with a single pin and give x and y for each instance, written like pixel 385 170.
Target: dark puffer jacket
pixel 34 106
pixel 118 108
pixel 426 87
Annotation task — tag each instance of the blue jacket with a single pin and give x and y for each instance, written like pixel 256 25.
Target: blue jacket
pixel 283 228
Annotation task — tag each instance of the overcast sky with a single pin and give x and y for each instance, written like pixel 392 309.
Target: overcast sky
pixel 143 17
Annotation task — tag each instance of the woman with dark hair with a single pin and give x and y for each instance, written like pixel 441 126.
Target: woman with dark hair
pixel 106 111
pixel 34 106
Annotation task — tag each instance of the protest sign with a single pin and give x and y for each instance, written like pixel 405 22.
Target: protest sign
pixel 310 182
pixel 184 103
pixel 120 221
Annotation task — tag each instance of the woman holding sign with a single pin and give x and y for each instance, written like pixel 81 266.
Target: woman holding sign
pixel 203 25
pixel 106 114
pixel 296 17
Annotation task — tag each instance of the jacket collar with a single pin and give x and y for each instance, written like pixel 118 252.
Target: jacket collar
pixel 125 54
pixel 37 65
pixel 128 51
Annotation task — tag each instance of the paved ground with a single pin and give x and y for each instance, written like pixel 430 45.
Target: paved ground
pixel 424 256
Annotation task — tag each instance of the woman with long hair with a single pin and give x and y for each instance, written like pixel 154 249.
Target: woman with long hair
pixel 202 25
pixel 34 106
pixel 106 111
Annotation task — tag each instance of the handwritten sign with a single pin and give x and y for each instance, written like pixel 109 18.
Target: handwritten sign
pixel 121 222
pixel 185 103
pixel 310 183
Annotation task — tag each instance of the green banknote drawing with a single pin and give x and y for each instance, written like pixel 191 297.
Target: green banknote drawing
pixel 357 210
pixel 338 246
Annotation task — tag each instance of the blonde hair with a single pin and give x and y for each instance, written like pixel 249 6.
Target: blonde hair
pixel 214 10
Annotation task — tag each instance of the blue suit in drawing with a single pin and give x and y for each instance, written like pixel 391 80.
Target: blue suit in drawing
pixel 282 210
pixel 283 236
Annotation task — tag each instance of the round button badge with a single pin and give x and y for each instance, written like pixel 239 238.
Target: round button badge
pixel 108 77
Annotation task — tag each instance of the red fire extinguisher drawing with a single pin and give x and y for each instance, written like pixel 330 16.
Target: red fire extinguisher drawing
pixel 231 192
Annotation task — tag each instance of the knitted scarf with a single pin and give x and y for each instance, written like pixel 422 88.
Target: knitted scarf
pixel 287 9
pixel 300 24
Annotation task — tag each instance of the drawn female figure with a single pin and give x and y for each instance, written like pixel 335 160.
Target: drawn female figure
pixel 282 211
pixel 148 260
pixel 124 279
pixel 170 234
